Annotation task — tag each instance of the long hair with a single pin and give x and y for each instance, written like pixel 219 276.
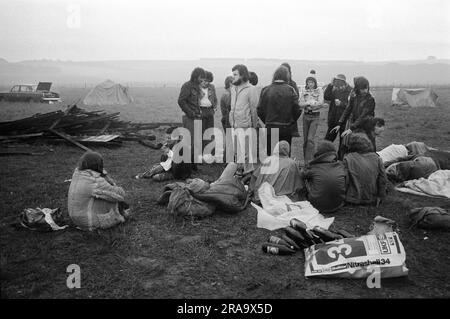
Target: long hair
pixel 281 74
pixel 243 71
pixel 196 73
pixel 228 81
pixel 288 66
pixel 92 161
pixel 253 78
pixel 209 76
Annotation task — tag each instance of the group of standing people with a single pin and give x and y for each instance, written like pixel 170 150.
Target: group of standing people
pixel 280 105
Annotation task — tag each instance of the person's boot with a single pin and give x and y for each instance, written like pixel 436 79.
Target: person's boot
pixel 166 176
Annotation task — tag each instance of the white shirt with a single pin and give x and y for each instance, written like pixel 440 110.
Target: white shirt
pixel 205 102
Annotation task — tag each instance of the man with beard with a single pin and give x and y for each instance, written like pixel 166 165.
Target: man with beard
pixel 243 115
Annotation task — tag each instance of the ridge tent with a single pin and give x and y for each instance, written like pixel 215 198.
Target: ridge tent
pixel 414 97
pixel 108 93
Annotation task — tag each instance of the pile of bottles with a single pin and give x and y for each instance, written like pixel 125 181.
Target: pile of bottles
pixel 297 237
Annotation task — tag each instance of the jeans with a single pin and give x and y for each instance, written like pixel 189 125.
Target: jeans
pixel 284 133
pixel 331 136
pixel 310 124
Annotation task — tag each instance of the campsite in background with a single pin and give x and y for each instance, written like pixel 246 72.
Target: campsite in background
pixel 332 182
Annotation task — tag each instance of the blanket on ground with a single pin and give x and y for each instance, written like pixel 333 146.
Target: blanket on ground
pixel 436 185
pixel 277 211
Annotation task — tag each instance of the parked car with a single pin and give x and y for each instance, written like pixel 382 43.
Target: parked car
pixel 31 93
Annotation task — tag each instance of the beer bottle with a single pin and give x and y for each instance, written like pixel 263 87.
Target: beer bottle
pixel 290 242
pixel 325 234
pixel 296 236
pixel 279 241
pixel 276 249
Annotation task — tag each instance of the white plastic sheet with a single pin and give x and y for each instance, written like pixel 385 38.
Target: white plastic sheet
pixel 277 211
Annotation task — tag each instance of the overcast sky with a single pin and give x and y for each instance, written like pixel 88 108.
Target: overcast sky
pixel 190 29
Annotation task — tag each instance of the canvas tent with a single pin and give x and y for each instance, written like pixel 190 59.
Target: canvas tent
pixel 414 97
pixel 108 93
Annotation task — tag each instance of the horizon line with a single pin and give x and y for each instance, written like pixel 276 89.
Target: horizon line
pixel 435 59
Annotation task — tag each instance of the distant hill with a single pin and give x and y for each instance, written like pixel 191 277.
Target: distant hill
pixel 152 72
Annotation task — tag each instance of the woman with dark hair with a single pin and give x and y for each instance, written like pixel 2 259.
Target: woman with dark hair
pixel 189 102
pixel 94 200
pixel 311 99
pixel 225 103
pixel 208 103
pixel 253 78
pixel 361 105
pixel 278 107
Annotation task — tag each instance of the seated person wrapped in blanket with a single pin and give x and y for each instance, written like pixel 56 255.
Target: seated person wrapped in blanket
pixel 280 171
pixel 94 200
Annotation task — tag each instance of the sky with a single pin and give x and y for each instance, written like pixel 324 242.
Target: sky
pixel 363 30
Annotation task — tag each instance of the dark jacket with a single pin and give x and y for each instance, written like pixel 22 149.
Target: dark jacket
pixel 225 107
pixel 212 96
pixel 331 94
pixel 367 126
pixel 358 108
pixel 325 182
pixel 189 98
pixel 366 175
pixel 278 105
pixel 294 85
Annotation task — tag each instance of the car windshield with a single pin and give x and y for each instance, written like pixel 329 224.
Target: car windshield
pixel 26 88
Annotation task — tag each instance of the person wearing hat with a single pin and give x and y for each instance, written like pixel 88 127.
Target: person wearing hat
pixel 311 100
pixel 325 179
pixel 336 95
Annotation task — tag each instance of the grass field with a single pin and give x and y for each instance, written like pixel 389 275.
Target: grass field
pixel 153 256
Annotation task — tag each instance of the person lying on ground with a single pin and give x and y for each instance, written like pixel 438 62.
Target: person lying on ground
pixel 366 176
pixel 325 179
pixel 280 171
pixel 94 199
pixel 418 166
pixel 408 152
pixel 395 153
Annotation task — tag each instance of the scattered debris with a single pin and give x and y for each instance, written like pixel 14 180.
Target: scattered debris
pixel 80 127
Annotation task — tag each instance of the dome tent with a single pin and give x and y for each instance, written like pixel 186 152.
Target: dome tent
pixel 108 93
pixel 414 97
